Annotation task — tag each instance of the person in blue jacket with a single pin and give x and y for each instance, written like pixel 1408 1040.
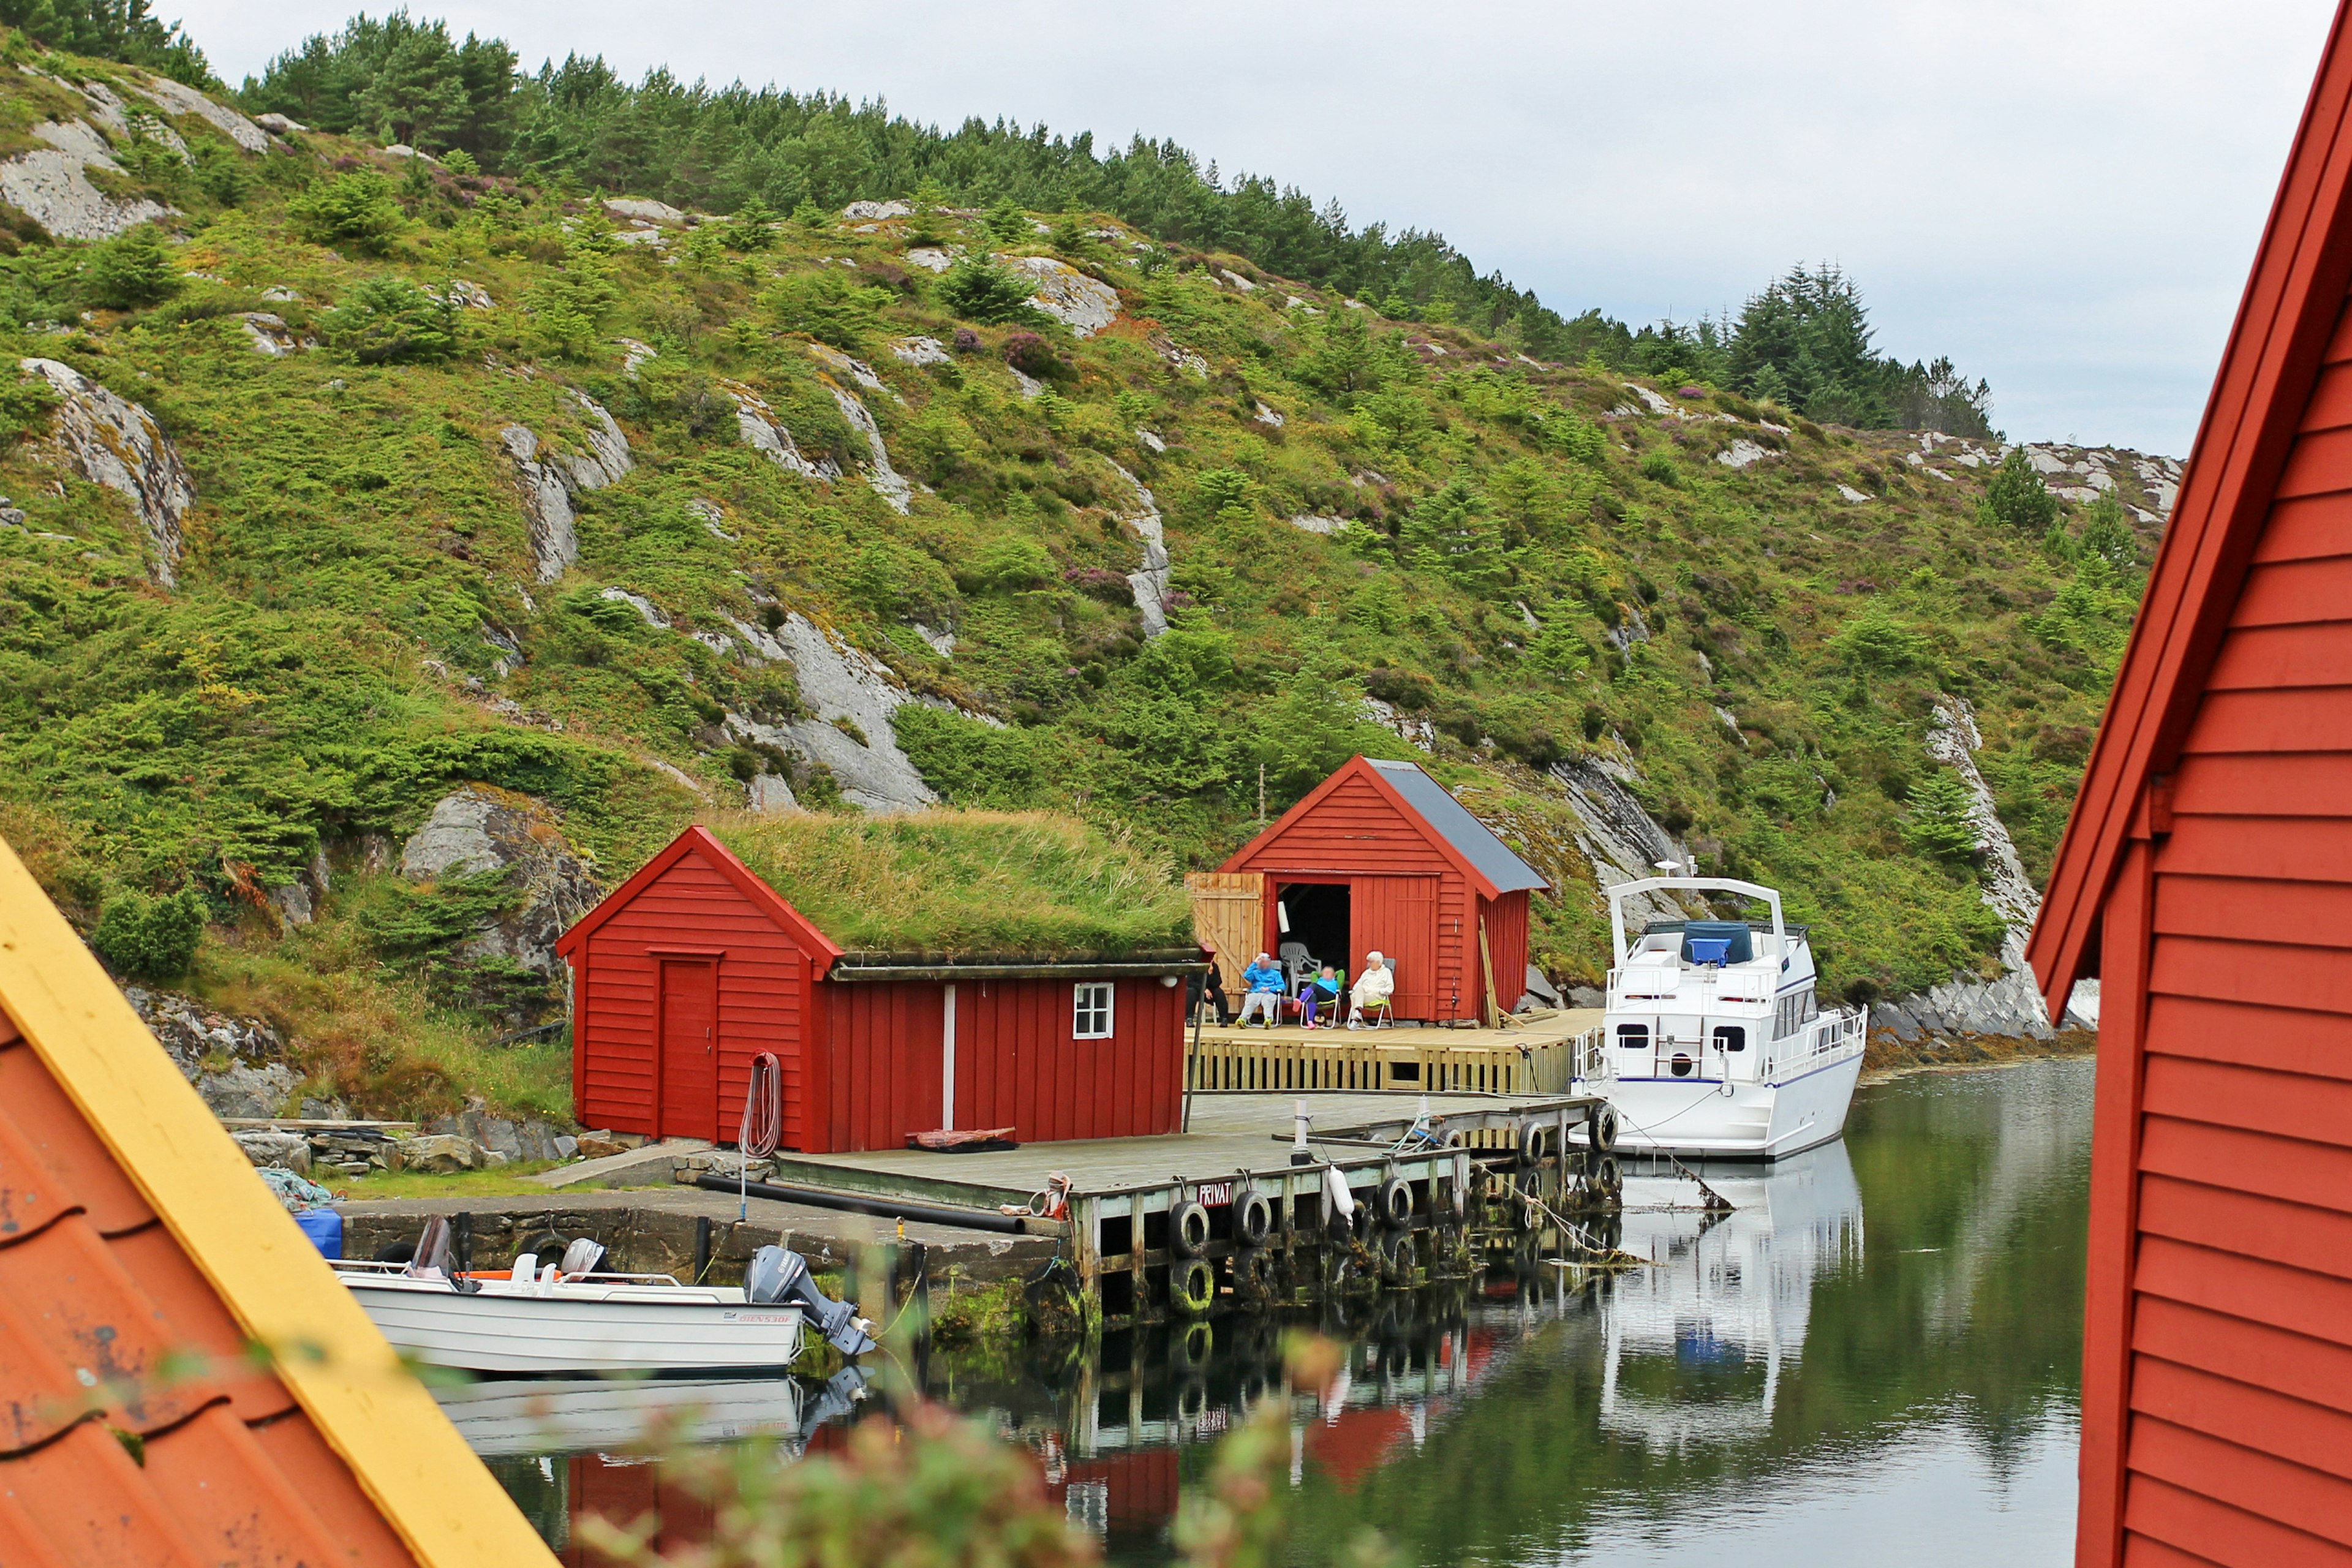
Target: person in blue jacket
pixel 1264 981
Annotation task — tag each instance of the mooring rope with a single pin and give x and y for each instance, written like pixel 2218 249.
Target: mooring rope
pixel 763 1127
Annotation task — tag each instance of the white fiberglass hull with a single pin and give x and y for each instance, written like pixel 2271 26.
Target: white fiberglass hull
pixel 511 1328
pixel 575 1415
pixel 1734 1120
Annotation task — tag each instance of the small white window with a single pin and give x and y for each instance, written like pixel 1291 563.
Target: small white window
pixel 1091 1017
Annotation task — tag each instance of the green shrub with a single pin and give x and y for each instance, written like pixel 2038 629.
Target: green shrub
pixel 355 210
pixel 388 319
pixel 1014 560
pixel 977 289
pixel 827 304
pixel 25 405
pixel 134 270
pixel 150 938
pixel 1659 468
pixel 2015 496
pixel 1938 826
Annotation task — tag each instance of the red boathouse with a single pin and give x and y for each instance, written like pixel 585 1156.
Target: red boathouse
pixel 698 962
pixel 2206 880
pixel 1380 858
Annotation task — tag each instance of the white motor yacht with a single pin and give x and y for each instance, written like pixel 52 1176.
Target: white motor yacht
pixel 1713 1045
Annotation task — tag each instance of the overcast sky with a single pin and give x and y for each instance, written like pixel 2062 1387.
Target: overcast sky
pixel 2063 195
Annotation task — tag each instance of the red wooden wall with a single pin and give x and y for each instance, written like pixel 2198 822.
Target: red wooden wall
pixel 684 977
pixel 1354 832
pixel 2217 1373
pixel 762 983
pixel 1407 901
pixel 1018 1064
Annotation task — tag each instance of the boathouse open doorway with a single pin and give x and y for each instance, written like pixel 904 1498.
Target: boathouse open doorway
pixel 1316 917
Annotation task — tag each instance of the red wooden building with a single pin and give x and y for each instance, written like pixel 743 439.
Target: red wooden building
pixel 1381 858
pixel 694 965
pixel 2206 878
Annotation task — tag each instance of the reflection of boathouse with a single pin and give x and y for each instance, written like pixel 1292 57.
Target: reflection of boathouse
pixel 1728 1300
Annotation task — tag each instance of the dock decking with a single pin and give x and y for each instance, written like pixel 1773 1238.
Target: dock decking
pixel 1538 1054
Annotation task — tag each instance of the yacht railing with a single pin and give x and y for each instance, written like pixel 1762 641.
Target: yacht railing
pixel 1829 1037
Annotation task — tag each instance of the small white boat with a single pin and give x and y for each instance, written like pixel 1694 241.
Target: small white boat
pixel 1712 1044
pixel 548 1320
pixel 595 1323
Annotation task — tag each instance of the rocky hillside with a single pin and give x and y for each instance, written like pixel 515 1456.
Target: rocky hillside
pixel 396 554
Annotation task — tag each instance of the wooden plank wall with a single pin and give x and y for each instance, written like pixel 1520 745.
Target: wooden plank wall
pixel 1506 939
pixel 762 998
pixel 2236 1441
pixel 1355 832
pixel 1228 912
pixel 887 1042
pixel 1018 1064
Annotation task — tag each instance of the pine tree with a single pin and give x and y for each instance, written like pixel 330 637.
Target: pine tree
pixel 2015 495
pixel 127 273
pixel 1939 825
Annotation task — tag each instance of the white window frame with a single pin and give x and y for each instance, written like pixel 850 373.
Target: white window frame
pixel 1092 999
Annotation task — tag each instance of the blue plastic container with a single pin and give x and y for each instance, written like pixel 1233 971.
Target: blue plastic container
pixel 325 1229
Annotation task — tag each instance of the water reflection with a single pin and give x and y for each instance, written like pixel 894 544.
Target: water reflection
pixel 1769 1389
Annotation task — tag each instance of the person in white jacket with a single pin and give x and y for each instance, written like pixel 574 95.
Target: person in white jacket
pixel 1372 992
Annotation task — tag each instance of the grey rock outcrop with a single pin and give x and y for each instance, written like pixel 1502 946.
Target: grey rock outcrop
pixel 1084 305
pixel 178 98
pixel 642 209
pixel 279 125
pixel 550 480
pixel 2010 1004
pixel 479 828
pixel 236 1063
pixel 546 504
pixel 761 431
pixel 525 1140
pixel 117 443
pixel 876 212
pixel 272 336
pixel 886 481
pixel 919 352
pixel 1150 581
pixel 1617 836
pixel 52 185
pixel 839 682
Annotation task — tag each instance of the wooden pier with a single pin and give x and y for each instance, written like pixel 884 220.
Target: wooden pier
pixel 1540 1054
pixel 1233 1216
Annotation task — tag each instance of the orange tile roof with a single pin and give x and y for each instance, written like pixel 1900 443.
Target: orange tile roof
pixel 134 1428
pixel 140 1262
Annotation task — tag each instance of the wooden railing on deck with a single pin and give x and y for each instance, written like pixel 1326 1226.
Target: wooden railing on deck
pixel 1276 1062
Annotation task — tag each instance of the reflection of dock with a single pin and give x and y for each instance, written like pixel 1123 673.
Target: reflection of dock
pixel 1224 1216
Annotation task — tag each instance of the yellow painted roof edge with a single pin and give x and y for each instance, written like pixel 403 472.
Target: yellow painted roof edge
pixel 430 1488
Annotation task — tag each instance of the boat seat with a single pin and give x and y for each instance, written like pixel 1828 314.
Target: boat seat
pixel 1717 941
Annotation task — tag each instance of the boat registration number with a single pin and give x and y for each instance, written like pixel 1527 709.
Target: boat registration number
pixel 1216 1193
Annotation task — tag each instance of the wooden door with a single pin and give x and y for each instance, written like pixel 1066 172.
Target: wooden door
pixel 1228 917
pixel 1397 918
pixel 689 1049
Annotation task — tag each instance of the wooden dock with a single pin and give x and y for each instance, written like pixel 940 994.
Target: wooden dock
pixel 1539 1054
pixel 1230 1215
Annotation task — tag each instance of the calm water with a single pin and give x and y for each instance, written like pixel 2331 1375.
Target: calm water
pixel 1878 1348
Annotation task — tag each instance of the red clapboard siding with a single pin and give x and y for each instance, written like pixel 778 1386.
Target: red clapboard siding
pixel 862 1062
pixel 2255 1354
pixel 2295 1495
pixel 2321 462
pixel 2310 718
pixel 2281 1426
pixel 2254 659
pixel 2301 784
pixel 1349 830
pixel 2300 529
pixel 2316 1045
pixel 2270 1294
pixel 2189 1522
pixel 2176 1141
pixel 2331 401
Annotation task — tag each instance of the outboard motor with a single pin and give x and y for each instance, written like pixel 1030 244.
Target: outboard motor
pixel 583 1256
pixel 779 1276
pixel 836 1401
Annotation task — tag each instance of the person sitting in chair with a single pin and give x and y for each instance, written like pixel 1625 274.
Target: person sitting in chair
pixel 1264 981
pixel 1320 995
pixel 1374 990
pixel 1211 988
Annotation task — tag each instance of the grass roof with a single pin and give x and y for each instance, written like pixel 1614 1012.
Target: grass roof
pixel 965 883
